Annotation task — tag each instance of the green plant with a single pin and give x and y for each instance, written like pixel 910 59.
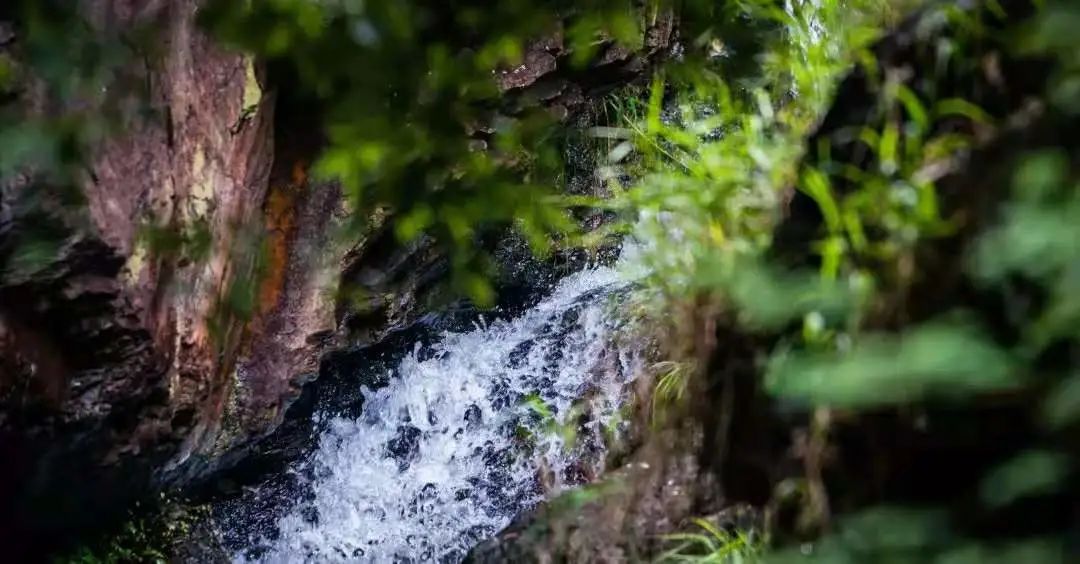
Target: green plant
pixel 149 535
pixel 669 389
pixel 564 426
pixel 135 543
pixel 714 545
pixel 711 153
pixel 712 158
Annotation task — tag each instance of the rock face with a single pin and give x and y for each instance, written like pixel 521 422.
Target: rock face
pixel 175 312
pixel 127 366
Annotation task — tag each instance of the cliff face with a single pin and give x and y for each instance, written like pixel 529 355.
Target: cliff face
pixel 175 310
pixel 129 364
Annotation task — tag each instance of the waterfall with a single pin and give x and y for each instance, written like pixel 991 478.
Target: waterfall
pixel 470 431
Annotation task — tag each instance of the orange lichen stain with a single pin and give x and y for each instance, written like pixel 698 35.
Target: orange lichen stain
pixel 300 174
pixel 280 217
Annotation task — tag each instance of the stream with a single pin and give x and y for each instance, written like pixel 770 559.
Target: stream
pixel 467 432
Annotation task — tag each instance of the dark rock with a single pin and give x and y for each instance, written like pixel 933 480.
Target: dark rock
pixel 200 542
pixel 634 507
pixel 405 447
pixel 473 416
pixel 7 33
pixel 429 491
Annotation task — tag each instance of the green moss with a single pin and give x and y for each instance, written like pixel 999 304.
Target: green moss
pixel 149 535
pixel 252 90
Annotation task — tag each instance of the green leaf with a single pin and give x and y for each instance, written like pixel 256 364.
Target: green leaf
pixel 1040 175
pixel 888 149
pixel 816 185
pixel 1062 405
pixel 962 108
pixel 537 405
pixel 914 107
pixel 932 361
pixel 1031 473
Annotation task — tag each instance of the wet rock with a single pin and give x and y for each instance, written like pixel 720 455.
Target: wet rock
pixel 405 447
pixel 201 543
pixel 473 415
pixel 310 515
pixel 520 354
pixel 429 491
pixel 630 512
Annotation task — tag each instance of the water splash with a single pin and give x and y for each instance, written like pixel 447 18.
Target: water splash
pixel 480 427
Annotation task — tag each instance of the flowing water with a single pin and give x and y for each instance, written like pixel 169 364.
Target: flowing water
pixel 470 431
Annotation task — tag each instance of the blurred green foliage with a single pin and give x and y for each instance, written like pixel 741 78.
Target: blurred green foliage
pixel 191 243
pixel 1037 240
pixel 1030 473
pixel 408 85
pixel 930 361
pixel 711 159
pixel 62 85
pixel 906 535
pixel 63 69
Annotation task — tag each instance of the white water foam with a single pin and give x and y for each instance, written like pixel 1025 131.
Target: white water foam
pixel 468 435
